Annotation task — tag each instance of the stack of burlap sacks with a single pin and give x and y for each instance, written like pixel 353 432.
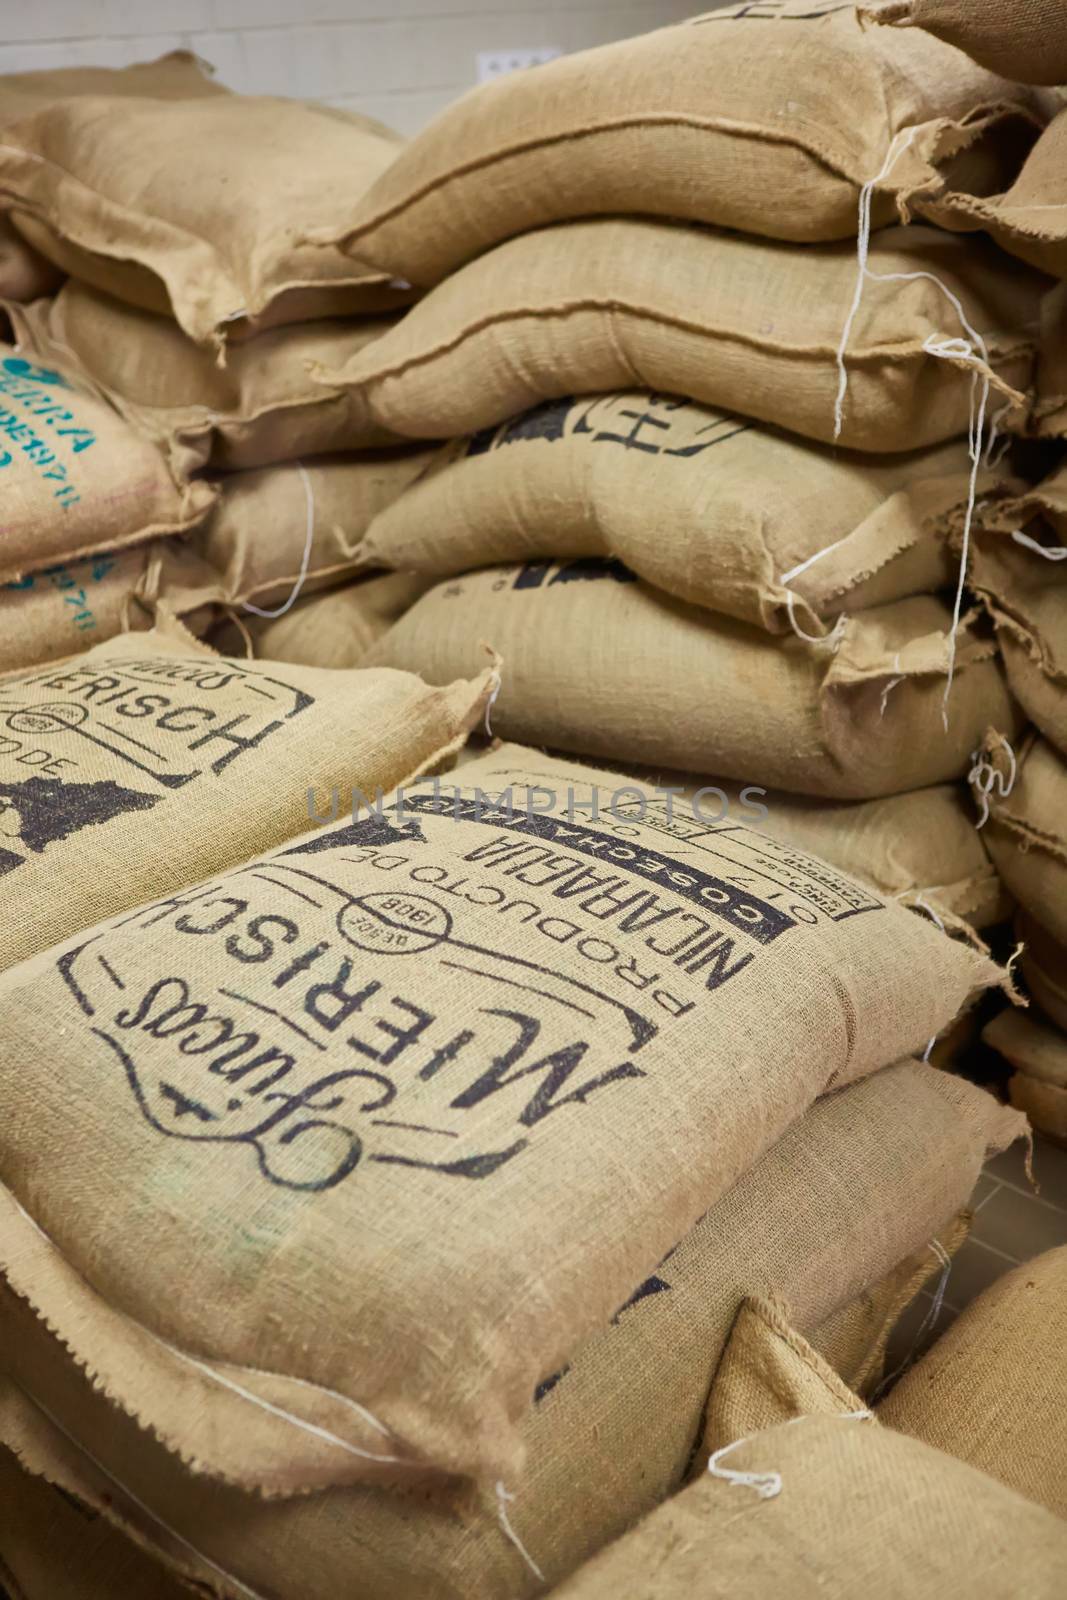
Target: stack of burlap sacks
pixel 165 436
pixel 945 1490
pixel 701 540
pixel 673 579
pixel 380 1202
pixel 377 1212
pixel 1018 572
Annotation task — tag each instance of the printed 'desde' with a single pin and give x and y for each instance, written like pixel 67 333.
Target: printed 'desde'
pixel 488 1063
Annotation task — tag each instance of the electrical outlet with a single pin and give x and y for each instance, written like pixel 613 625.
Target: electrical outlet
pixel 497 63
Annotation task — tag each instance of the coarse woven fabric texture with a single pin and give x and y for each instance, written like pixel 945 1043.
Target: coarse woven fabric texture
pixel 262 407
pixel 116 177
pixel 763 527
pixel 666 1001
pixel 78 480
pixel 600 664
pixel 1026 40
pixel 738 323
pixel 860 1176
pixel 150 762
pixel 767 120
pixel 989 1390
pixel 859 1509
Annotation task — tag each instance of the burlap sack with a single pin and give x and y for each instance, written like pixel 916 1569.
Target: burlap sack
pixel 769 1375
pixel 737 323
pixel 700 1059
pixel 74 478
pixel 1030 218
pixel 328 630
pixel 920 848
pixel 1026 832
pixel 1025 40
pixel 193 202
pixel 853 1340
pixel 835 1506
pixel 1038 1053
pixel 769 130
pixel 264 406
pixel 24 275
pixel 761 526
pixel 101 1562
pixel 150 762
pixel 990 1391
pixel 609 1436
pixel 55 1547
pixel 68 609
pixel 1025 593
pixel 1044 968
pixel 600 664
pixel 258 536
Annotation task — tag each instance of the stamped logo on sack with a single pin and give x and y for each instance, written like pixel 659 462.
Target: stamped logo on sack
pixel 635 420
pixel 155 724
pixel 39 428
pixel 427 986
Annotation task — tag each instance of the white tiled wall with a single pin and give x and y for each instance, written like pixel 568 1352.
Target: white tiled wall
pixel 400 60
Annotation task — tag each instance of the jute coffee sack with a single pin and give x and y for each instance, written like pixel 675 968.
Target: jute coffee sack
pixel 608 1436
pixel 57 1458
pixel 834 1507
pixel 74 477
pixel 739 323
pixel 1038 1053
pixel 990 1391
pixel 1026 40
pixel 598 663
pixel 721 1552
pixel 762 526
pixel 1026 830
pixel 854 1339
pixel 687 122
pixel 1018 571
pixel 53 1547
pixel 300 528
pixel 920 848
pixel 264 406
pixel 193 204
pixel 770 1374
pixel 336 629
pixel 1030 218
pixel 68 609
pixel 24 275
pixel 529 929
pixel 150 762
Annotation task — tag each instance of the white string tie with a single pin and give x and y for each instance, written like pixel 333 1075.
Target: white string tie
pixel 1051 552
pixel 503 1498
pixel 309 535
pixel 987 779
pixel 970 351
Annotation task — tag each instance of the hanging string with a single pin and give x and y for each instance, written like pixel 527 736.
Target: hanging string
pixel 1051 552
pixel 985 778
pixel 970 351
pixel 309 495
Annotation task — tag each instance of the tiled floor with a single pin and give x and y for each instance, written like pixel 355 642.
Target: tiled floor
pixel 1012 1224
